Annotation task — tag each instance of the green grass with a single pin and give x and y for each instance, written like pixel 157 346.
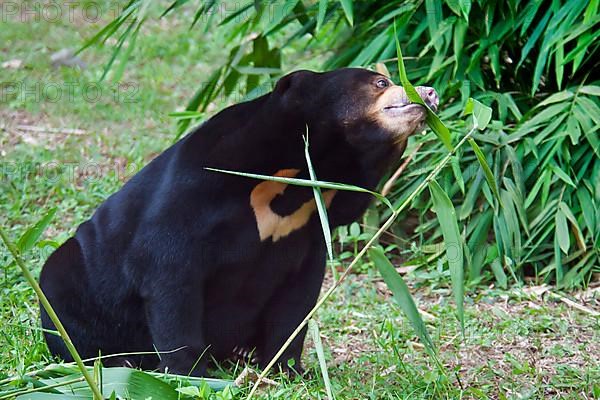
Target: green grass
pixel 516 345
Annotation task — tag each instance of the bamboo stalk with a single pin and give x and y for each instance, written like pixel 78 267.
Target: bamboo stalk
pixel 390 182
pixel 59 326
pixel 358 257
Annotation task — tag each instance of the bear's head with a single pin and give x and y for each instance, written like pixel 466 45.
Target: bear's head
pixel 367 108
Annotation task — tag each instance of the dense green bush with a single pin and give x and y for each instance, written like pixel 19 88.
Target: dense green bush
pixel 532 61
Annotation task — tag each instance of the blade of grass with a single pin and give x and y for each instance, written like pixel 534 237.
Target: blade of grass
pixel 55 320
pixel 20 392
pixel 64 370
pixel 321 206
pixel 314 332
pixel 356 259
pixel 306 183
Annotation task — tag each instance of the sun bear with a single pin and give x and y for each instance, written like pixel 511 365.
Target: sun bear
pixel 194 264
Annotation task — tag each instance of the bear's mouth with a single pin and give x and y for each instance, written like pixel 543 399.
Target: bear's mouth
pixel 400 109
pixel 401 117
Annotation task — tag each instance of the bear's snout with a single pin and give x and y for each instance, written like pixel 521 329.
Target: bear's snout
pixel 429 96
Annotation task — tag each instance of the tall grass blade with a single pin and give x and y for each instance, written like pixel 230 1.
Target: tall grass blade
pixel 52 314
pixel 321 206
pixel 306 183
pixel 313 328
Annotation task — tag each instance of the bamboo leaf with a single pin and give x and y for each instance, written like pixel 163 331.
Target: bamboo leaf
pixel 200 97
pixel 460 30
pixel 454 6
pixel 53 396
pixel 120 70
pixel 499 273
pixel 453 244
pixel 203 9
pixel 489 176
pixel 559 67
pixel 455 163
pixel 432 120
pixel 175 4
pixel 402 296
pixel 347 6
pixel 32 235
pixel 576 229
pixel 588 209
pixel 465 6
pixel 558 260
pixel 590 89
pixel 321 14
pixel 477 243
pixel 562 175
pixel 555 98
pixel 534 37
pixel 511 224
pixel 494 54
pixel 111 27
pixel 434 17
pixel 257 70
pixel 472 196
pixel 481 113
pixel 574 130
pixel 562 231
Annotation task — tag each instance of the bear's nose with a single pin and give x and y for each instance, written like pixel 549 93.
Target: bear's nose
pixel 431 98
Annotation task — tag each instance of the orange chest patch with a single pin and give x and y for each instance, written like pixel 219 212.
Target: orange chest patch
pixel 269 223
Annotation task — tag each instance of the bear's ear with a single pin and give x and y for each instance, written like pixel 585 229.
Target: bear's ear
pixel 295 80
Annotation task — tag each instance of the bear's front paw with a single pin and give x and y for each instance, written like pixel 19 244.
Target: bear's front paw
pixel 244 355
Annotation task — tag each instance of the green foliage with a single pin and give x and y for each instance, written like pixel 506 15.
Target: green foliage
pixel 453 244
pixel 64 381
pixel 369 345
pixel 313 329
pixel 433 121
pixel 531 61
pixel 320 202
pixel 403 297
pixel 506 46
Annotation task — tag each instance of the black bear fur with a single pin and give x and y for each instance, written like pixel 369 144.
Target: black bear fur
pixel 173 261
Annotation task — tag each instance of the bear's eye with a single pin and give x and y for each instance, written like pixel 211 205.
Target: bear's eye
pixel 382 83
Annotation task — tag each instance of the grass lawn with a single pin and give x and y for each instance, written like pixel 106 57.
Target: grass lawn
pixel 68 141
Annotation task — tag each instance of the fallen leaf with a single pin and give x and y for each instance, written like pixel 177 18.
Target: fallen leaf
pixel 13 64
pixel 248 376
